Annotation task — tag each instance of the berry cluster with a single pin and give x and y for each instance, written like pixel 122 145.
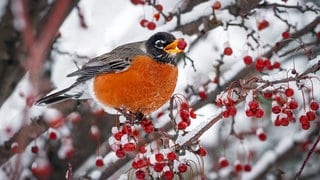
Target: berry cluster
pixel 229 103
pixel 166 164
pixel 265 63
pixel 185 113
pixel 309 116
pixel 237 166
pixel 254 109
pixel 157 159
pixel 283 106
pixel 150 24
pixel 124 139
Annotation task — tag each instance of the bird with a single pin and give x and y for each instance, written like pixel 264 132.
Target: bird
pixel 139 77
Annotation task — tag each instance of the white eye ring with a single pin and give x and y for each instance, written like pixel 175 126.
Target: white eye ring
pixel 159 44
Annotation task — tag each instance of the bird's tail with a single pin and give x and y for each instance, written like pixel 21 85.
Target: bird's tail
pixel 55 97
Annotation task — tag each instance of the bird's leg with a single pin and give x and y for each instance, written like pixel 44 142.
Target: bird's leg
pixel 139 116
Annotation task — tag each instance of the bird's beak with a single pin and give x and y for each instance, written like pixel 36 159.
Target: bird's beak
pixel 172 47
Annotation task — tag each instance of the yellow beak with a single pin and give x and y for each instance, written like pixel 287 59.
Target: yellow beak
pixel 172 47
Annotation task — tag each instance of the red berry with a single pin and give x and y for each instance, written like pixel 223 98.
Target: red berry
pixel 314 105
pixel 277 122
pixel 249 113
pixel 34 149
pixel 225 114
pixel 151 25
pixel 237 166
pixel 202 151
pixel 159 7
pixel 223 162
pixel 142 149
pixel 259 113
pixel 172 156
pixel 118 135
pixel 184 105
pixel 120 153
pixel 182 168
pixel 267 95
pixel 145 122
pixel 156 16
pixel 259 64
pixel 232 110
pixel 276 109
pixel 267 64
pixel 149 128
pixel 217 5
pixel 182 125
pixel 318 35
pixel 305 126
pixel 276 65
pixel 261 135
pixel 99 162
pixel 168 175
pixel 129 147
pixel 182 44
pixel 193 115
pixel 285 35
pixel 202 95
pixel 247 60
pixel 126 129
pixel 53 135
pixel 293 104
pixel 303 119
pixel 158 167
pixel 159 157
pixel 144 22
pixel 311 115
pixel 227 51
pixel 253 104
pixel 263 24
pixel 138 163
pixel 289 92
pixel 184 114
pixel 140 174
pixel 247 167
pixel 284 121
pixel 141 163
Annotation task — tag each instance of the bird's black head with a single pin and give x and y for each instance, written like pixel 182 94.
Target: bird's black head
pixel 162 47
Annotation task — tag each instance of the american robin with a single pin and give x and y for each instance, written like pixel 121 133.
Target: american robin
pixel 139 76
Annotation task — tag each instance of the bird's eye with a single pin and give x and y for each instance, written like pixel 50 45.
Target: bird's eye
pixel 159 44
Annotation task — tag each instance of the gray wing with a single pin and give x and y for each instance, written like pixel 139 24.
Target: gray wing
pixel 117 60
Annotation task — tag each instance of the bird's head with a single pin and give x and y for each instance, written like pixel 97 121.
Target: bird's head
pixel 163 47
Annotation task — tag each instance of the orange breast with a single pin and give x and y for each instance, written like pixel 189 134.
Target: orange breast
pixel 144 87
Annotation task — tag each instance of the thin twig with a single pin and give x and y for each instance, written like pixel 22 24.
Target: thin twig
pixel 308 157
